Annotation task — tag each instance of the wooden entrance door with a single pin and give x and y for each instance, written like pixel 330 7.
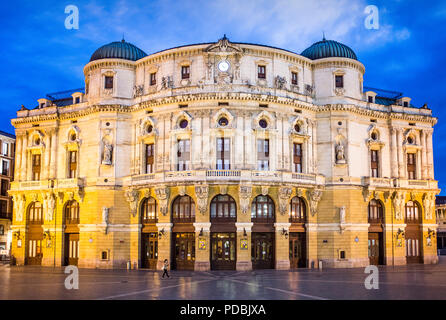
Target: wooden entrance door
pixel 298 249
pixel 149 250
pixel 71 256
pixel 35 252
pixel 413 245
pixel 262 250
pixel 375 248
pixel 184 251
pixel 223 251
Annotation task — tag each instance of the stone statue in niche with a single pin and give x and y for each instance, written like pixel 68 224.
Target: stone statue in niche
pixel 342 215
pixel 108 151
pixel 340 155
pixel 51 204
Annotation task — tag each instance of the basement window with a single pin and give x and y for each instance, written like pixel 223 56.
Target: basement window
pixel 104 255
pixel 263 105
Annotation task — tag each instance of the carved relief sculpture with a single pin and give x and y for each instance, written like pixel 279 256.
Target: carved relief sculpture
pixel 284 197
pixel 162 195
pixel 131 196
pixel 202 192
pixel 315 196
pixel 245 197
pixel 340 156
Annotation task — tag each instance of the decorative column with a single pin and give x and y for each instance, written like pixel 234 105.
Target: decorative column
pixel 202 246
pixel 53 154
pixel 400 154
pixel 430 156
pixel 46 156
pixel 309 153
pixel 423 155
pixel 24 151
pixel 18 155
pixel 394 154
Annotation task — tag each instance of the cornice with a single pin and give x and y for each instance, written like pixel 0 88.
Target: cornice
pixel 232 96
pixel 108 63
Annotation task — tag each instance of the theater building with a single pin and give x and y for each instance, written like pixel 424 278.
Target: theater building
pixel 224 156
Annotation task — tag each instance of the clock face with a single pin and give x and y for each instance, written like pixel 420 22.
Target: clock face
pixel 223 66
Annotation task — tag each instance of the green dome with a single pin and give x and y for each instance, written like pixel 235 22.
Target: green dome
pixel 327 49
pixel 118 50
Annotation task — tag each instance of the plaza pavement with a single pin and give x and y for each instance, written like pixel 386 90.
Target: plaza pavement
pixel 403 282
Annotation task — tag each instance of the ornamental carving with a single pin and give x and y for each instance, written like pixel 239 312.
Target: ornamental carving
pixel 264 190
pixel 284 197
pixel 280 82
pixel 138 91
pixel 162 194
pixel 245 197
pixel 315 196
pixel 202 192
pixel 132 195
pixel 107 153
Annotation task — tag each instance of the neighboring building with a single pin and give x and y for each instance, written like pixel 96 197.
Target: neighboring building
pixel 224 156
pixel 440 209
pixel 7 154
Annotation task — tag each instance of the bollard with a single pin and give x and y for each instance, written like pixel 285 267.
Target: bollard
pixel 320 265
pixel 129 265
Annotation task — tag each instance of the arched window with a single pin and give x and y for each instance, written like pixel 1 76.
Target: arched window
pixel 298 210
pixel 412 212
pixel 35 213
pixel 183 209
pixel 148 211
pixel 262 209
pixel 376 211
pixel 223 207
pixel 72 212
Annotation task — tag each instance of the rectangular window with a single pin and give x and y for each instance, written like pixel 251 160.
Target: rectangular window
pixel 294 78
pixel 5 148
pixel 108 82
pixel 153 78
pixel 374 163
pixel 370 99
pixel 3 208
pixel 77 100
pixel 185 72
pixel 72 164
pixel 36 167
pixel 183 155
pixel 4 187
pixel 5 168
pixel 339 81
pixel 411 166
pixel 297 157
pixel 149 157
pixel 261 72
pixel 223 154
pixel 263 154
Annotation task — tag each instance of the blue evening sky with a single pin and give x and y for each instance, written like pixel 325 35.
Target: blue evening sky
pixel 406 53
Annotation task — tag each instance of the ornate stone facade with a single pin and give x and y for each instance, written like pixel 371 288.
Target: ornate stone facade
pixel 260 133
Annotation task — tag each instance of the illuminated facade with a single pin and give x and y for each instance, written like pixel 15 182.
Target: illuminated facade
pixel 224 156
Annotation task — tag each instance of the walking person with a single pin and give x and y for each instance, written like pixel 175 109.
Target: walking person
pixel 165 268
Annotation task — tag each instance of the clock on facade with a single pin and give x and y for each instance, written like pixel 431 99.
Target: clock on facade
pixel 223 66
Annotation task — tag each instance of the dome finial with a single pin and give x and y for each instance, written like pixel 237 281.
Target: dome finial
pixel 123 40
pixel 323 36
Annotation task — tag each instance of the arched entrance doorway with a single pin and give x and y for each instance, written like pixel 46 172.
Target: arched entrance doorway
pixel 34 252
pixel 223 232
pixel 262 236
pixel 149 233
pixel 183 233
pixel 298 235
pixel 71 233
pixel 413 237
pixel 376 236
